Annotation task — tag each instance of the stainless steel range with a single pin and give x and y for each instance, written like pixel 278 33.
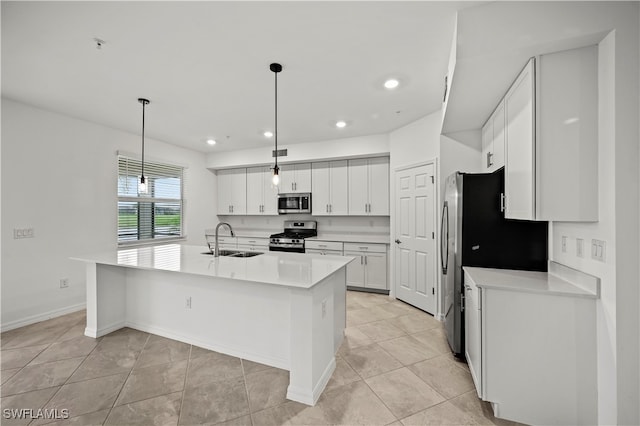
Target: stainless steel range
pixel 292 239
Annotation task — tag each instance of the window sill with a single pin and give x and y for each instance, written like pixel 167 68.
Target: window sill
pixel 158 242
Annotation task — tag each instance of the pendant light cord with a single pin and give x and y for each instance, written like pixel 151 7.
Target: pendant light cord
pixel 143 105
pixel 276 129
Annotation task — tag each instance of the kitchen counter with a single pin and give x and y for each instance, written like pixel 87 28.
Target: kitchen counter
pixel 348 238
pixel 276 268
pixel 286 310
pixel 559 281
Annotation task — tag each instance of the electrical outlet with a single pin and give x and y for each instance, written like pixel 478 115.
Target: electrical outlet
pixel 598 250
pixel 19 233
pixel 579 247
pixel 64 282
pixel 187 303
pixel 564 244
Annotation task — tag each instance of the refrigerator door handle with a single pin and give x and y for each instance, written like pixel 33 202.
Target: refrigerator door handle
pixel 444 240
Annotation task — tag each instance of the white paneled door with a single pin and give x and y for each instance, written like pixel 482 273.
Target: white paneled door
pixel 415 248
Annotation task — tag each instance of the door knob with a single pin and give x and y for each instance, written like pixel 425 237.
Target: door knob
pixel 398 241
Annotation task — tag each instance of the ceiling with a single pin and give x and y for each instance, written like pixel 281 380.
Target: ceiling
pixel 205 66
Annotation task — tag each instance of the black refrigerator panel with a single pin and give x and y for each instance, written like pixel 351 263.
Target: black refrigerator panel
pixel 491 241
pixel 474 232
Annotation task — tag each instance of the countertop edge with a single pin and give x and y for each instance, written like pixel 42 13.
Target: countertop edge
pixel 580 292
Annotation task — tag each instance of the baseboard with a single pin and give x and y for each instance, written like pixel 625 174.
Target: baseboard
pixel 298 394
pixel 42 317
pixel 440 317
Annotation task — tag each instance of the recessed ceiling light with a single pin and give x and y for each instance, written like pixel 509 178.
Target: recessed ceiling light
pixel 340 124
pixel 391 83
pixel 211 141
pixel 268 134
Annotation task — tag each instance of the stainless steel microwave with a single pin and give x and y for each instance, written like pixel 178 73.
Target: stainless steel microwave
pixel 294 203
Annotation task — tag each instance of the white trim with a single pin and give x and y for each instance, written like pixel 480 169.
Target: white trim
pixel 295 393
pixel 42 317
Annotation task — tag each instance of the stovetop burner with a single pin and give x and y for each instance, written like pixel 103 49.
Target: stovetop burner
pixel 292 239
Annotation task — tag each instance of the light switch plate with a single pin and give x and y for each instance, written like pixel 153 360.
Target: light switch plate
pixel 598 250
pixel 579 247
pixel 564 243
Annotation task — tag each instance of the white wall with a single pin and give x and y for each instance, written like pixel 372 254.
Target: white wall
pixel 617 310
pixel 413 144
pixel 59 176
pixel 364 146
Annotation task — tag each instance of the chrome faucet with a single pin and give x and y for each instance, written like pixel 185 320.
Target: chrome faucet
pixel 216 250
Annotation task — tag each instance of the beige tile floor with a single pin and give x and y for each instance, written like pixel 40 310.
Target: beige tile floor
pixel 394 368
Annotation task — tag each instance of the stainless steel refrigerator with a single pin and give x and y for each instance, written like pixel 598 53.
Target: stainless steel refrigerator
pixel 474 232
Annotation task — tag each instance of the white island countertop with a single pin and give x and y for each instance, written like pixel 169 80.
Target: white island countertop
pixel 559 281
pixel 277 268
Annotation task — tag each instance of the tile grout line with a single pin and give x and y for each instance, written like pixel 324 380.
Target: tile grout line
pixel 184 384
pixel 246 390
pixel 67 380
pixel 128 375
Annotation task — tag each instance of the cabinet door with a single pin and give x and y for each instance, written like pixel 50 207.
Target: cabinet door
pixel 339 193
pixel 487 145
pixel 355 269
pixel 255 177
pixel 238 191
pixel 376 271
pixel 379 186
pixel 498 125
pixel 519 146
pixel 473 332
pixel 269 193
pixel 358 187
pixel 224 192
pixel 320 181
pixel 302 177
pixel 295 178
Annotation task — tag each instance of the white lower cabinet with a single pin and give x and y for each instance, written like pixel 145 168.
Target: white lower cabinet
pixel 369 270
pixel 323 247
pixel 253 244
pixel 473 331
pixel 530 343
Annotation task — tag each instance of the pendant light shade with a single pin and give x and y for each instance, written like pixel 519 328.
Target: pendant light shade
pixel 276 68
pixel 142 185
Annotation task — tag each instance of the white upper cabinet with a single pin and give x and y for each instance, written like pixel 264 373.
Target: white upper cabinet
pixel 232 192
pixel 551 139
pixel 295 178
pixel 261 193
pixel 329 188
pixel 493 141
pixel 369 186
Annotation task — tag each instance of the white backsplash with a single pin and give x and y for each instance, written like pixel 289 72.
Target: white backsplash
pixel 340 225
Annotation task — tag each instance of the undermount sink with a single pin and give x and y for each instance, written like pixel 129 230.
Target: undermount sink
pixel 235 253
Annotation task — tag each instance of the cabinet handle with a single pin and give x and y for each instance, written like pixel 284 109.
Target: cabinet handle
pixel 489 159
pixel 361 260
pixel 502 202
pixel 365 260
pixel 327 207
pixel 322 245
pixel 364 248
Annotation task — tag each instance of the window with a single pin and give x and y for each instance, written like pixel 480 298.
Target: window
pixel 155 215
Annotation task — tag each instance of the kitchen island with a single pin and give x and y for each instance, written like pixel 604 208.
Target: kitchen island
pixel 286 310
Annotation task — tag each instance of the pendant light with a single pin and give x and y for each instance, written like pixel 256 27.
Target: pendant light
pixel 276 68
pixel 142 185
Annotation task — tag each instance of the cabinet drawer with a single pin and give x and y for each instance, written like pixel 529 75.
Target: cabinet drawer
pixel 375 248
pixel 248 241
pixel 323 245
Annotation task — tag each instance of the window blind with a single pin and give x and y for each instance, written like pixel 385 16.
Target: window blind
pixel 155 215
